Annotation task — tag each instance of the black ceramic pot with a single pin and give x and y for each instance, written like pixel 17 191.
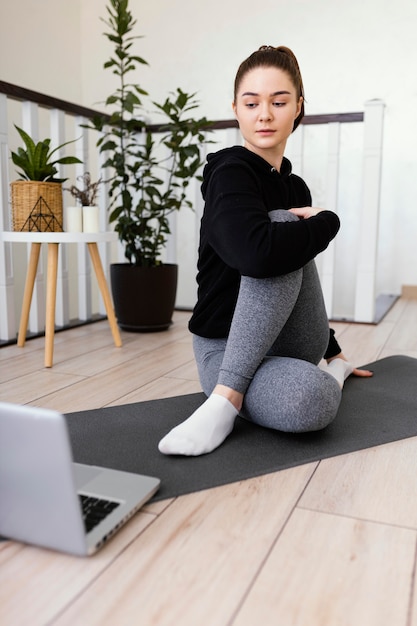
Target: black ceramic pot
pixel 144 297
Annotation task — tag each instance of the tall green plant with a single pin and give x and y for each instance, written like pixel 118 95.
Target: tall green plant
pixel 146 187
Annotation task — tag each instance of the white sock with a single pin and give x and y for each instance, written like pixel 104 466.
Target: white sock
pixel 339 369
pixel 203 431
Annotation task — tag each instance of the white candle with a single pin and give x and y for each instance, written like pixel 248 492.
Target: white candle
pixel 73 219
pixel 90 219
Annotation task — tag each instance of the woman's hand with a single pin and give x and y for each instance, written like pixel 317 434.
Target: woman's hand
pixel 306 211
pixel 356 371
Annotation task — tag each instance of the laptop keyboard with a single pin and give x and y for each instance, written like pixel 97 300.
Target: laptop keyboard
pixel 95 510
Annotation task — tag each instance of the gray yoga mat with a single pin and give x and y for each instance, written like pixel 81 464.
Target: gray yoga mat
pixel 373 411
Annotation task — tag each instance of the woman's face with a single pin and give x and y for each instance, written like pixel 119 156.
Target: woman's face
pixel 266 107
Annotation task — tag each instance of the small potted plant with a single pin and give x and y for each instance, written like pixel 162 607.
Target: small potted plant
pixel 85 215
pixel 149 182
pixel 37 196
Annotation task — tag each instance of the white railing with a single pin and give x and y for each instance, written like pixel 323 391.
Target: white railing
pixel 347 179
pixel 77 294
pixel 319 151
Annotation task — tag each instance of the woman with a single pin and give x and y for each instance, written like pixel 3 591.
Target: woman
pixel 259 326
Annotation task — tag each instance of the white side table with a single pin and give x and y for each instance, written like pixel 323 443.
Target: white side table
pixel 53 240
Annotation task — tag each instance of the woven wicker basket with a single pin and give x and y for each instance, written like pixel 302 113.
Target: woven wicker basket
pixel 36 206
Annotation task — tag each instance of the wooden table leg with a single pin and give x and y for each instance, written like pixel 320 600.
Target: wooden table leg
pixel 104 290
pixel 28 293
pixel 50 302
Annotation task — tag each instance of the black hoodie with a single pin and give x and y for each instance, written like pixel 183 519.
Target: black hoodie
pixel 238 238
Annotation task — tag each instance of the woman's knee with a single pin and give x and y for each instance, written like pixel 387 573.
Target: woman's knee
pixel 305 404
pixel 282 215
pixel 316 407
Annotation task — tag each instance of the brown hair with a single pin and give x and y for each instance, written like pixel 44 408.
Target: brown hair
pixel 282 58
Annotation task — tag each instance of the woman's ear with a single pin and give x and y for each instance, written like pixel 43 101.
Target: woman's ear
pixel 299 105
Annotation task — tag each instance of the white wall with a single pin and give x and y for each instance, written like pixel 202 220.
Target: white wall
pixel 348 52
pixel 40 46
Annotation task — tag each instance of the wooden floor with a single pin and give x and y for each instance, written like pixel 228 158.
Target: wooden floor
pixel 331 543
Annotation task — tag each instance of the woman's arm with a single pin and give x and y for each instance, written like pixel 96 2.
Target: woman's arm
pixel 243 236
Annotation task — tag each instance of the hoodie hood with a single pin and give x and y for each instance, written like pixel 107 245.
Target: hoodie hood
pixel 241 154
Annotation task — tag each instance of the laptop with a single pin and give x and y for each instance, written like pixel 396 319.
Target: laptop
pixel 48 500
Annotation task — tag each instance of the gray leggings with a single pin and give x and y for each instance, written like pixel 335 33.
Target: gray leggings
pixel 278 335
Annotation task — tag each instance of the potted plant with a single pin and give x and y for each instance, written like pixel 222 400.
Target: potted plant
pixel 149 182
pixel 37 197
pixel 85 215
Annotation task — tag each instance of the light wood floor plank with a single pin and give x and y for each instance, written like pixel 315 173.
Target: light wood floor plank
pixel 374 484
pixel 395 351
pixel 165 388
pixel 413 602
pixel 333 571
pixel 35 387
pixel 404 336
pixel 35 584
pixel 113 384
pixel 395 312
pixel 196 561
pixel 20 365
pixel 188 371
pixel 362 343
pixel 331 544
